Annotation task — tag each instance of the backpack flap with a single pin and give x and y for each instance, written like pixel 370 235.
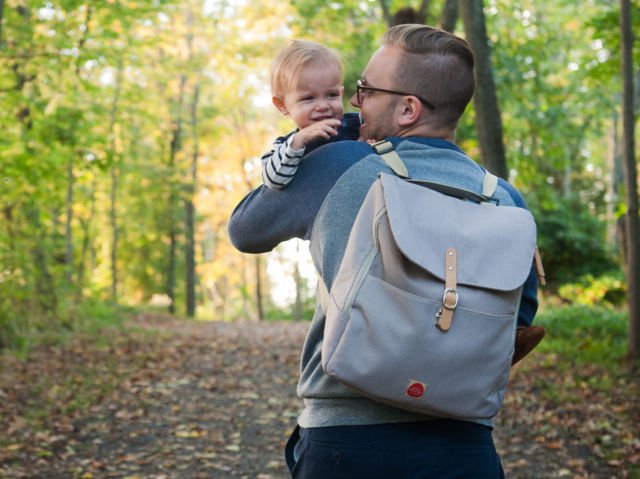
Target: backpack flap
pixel 494 245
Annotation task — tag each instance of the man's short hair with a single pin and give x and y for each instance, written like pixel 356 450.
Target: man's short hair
pixel 438 66
pixel 289 62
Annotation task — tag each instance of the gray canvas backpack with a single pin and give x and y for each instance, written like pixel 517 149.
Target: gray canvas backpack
pixel 422 312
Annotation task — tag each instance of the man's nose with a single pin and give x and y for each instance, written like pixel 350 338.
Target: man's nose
pixel 354 101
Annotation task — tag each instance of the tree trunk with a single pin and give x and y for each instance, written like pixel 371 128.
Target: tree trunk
pixel 259 299
pixel 190 211
pixel 405 14
pixel 1 17
pixel 246 306
pixel 628 127
pixel 44 284
pixel 68 233
pixel 616 180
pixel 45 291
pixel 86 239
pixel 176 146
pixel 113 172
pixel 449 16
pixel 487 112
pixel 113 219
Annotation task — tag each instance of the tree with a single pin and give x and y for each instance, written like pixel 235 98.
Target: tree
pixel 488 119
pixel 631 182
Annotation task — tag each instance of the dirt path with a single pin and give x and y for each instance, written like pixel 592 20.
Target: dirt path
pixel 219 400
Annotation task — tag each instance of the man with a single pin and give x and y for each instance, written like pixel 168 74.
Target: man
pixel 412 92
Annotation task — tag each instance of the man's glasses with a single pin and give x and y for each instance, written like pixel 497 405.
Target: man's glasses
pixel 361 87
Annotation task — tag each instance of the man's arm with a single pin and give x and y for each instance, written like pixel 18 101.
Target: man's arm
pixel 529 302
pixel 265 218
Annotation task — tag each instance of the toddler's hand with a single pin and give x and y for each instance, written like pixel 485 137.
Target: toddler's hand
pixel 320 129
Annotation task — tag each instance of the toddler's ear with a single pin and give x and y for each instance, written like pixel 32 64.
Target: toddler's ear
pixel 279 104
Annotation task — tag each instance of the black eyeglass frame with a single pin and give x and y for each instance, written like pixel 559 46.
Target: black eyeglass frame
pixel 360 87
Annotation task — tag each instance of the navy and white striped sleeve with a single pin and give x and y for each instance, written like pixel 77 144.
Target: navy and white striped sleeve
pixel 280 165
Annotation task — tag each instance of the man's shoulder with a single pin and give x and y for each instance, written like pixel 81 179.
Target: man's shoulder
pixel 339 150
pixel 515 195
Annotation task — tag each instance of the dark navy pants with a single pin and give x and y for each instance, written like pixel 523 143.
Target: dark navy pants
pixel 437 449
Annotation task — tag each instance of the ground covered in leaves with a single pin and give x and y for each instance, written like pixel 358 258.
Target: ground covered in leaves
pixel 184 399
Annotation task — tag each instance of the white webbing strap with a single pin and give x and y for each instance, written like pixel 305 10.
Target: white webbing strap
pixel 489 184
pixel 386 151
pixel 489 187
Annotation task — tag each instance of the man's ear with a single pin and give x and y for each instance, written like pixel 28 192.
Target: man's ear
pixel 410 111
pixel 279 104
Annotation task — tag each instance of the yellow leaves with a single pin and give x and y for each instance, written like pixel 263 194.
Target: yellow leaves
pixel 189 432
pixel 574 25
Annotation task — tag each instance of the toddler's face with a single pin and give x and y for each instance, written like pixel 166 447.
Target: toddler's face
pixel 317 96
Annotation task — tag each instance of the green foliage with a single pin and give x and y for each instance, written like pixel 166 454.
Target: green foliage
pixel 571 239
pixel 584 334
pixel 606 290
pixel 91 96
pixel 21 333
pixel 274 313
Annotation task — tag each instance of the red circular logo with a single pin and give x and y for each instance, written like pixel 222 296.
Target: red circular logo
pixel 415 390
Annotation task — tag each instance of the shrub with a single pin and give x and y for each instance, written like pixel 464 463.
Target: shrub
pixel 607 290
pixel 585 334
pixel 571 239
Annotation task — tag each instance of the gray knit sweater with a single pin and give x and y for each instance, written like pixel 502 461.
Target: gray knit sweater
pixel 320 205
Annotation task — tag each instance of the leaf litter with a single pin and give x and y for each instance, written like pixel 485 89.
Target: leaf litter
pixel 217 400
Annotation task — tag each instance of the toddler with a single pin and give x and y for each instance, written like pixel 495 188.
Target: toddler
pixel 306 84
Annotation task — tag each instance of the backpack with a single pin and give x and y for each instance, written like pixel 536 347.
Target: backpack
pixel 422 312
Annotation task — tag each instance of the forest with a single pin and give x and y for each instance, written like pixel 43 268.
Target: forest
pixel 129 130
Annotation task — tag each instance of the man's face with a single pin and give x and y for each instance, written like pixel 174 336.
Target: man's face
pixel 377 109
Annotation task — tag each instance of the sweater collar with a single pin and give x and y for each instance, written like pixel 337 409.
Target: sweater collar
pixel 434 142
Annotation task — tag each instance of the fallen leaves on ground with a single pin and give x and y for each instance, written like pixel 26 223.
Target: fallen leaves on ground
pixel 216 400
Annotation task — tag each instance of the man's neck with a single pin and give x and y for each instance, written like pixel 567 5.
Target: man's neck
pixel 427 131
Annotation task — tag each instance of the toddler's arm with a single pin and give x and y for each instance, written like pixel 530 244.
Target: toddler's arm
pixel 280 165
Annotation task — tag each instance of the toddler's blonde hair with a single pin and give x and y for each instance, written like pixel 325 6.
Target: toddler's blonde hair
pixel 289 62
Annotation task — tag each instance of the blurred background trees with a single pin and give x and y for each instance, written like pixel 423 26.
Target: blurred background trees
pixel 130 129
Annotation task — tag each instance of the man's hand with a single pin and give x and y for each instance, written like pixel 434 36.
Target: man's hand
pixel 320 129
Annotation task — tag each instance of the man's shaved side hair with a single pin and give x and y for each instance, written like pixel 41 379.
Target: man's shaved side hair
pixel 438 66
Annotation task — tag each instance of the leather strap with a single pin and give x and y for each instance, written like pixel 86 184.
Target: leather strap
pixel 537 263
pixel 450 296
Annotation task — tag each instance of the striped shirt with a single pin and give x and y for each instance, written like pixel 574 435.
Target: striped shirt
pixel 280 164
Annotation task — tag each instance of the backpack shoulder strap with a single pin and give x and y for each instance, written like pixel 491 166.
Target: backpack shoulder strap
pixel 489 187
pixel 489 184
pixel 388 154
